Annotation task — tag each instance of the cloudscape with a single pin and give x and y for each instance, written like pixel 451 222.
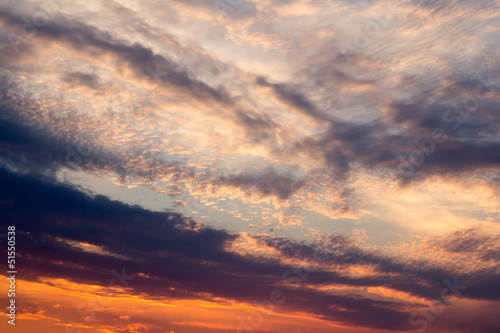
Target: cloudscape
pixel 257 166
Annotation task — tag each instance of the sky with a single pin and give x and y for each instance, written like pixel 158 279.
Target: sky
pixel 265 166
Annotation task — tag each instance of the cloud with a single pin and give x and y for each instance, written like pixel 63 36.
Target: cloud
pixel 472 242
pixel 89 80
pixel 273 114
pixel 172 251
pixel 143 61
pixel 269 183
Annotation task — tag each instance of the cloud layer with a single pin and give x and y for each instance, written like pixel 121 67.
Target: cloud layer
pixel 210 148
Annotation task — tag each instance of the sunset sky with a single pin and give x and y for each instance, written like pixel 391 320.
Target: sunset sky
pixel 263 166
